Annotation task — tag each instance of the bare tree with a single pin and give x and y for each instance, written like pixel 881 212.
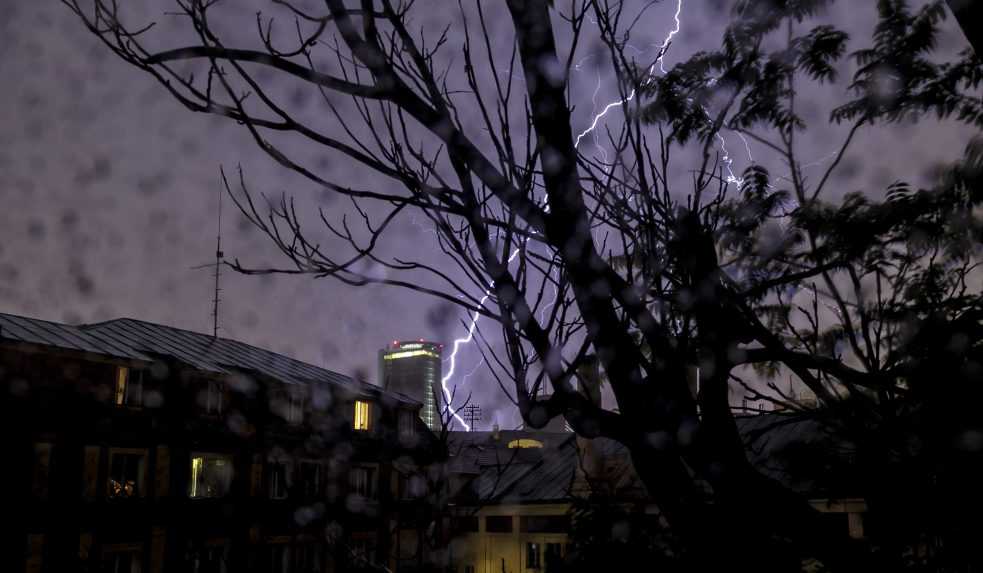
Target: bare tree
pixel 573 255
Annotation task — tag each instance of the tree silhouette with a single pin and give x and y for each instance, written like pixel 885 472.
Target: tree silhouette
pixel 864 300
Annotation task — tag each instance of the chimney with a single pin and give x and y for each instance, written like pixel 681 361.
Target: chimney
pixel 495 434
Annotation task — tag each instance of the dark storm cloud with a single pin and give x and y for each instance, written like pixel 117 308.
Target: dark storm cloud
pixel 110 188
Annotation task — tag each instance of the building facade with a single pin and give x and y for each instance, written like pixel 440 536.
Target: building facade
pixel 141 448
pixel 414 369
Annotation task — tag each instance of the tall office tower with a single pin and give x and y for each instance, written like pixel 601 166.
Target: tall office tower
pixel 413 368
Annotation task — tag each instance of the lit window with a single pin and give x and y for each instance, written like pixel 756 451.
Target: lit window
pixel 410 354
pixel 126 474
pixel 129 388
pixel 211 475
pixel 361 415
pixel 525 443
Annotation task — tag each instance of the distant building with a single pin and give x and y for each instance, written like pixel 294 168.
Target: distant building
pixel 413 369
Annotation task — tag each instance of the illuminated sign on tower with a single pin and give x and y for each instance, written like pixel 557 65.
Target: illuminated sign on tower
pixel 413 369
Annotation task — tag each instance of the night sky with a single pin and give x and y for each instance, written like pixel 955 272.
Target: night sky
pixel 110 189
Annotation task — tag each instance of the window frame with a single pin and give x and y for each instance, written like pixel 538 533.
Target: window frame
pixel 534 555
pixel 371 472
pixel 273 481
pixel 204 456
pixel 128 388
pixel 296 403
pixel 405 424
pixel 362 416
pixel 216 389
pixel 305 488
pixel 141 481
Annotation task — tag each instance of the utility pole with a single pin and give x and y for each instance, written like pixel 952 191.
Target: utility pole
pixel 472 413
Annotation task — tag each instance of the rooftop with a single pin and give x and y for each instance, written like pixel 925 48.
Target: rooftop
pixel 133 339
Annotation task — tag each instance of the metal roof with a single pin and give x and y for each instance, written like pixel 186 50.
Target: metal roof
pixel 797 452
pixel 139 340
pixel 223 355
pixel 64 336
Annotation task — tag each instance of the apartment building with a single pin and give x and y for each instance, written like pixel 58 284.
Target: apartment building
pixel 136 447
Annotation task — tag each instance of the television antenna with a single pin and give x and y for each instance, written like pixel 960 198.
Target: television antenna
pixel 217 266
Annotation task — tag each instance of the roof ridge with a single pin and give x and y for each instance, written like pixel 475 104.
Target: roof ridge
pixel 85 327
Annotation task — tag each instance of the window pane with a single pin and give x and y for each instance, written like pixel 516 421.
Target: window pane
pixel 122 376
pixel 211 475
pixel 498 524
pixel 361 415
pixel 532 556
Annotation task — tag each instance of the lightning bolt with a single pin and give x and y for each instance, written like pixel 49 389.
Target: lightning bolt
pixel 598 117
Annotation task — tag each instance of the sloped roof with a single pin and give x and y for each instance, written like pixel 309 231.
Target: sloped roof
pixel 139 340
pixel 223 355
pixel 516 475
pixel 64 336
pixel 797 452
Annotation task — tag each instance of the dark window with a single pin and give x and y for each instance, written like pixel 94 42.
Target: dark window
pixel 360 481
pixel 544 524
pixel 214 398
pixel 413 486
pixel 279 479
pixel 554 555
pixel 125 475
pixel 207 560
pixel 279 558
pixel 362 550
pixel 295 409
pixel 42 470
pixel 532 555
pixel 498 524
pixel 121 562
pixel 310 479
pixel 464 524
pixel 309 558
pixel 407 424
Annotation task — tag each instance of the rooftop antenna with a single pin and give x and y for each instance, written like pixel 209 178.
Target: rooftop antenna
pixel 217 266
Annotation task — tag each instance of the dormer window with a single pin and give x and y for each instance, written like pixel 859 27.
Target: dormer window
pixel 129 388
pixel 362 412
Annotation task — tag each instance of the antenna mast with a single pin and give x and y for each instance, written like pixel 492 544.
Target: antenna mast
pixel 472 413
pixel 218 267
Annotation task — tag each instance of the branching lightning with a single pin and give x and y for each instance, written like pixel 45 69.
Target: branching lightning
pixel 595 122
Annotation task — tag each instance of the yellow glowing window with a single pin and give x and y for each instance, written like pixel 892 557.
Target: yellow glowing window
pixel 122 377
pixel 361 415
pixel 525 443
pixel 410 354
